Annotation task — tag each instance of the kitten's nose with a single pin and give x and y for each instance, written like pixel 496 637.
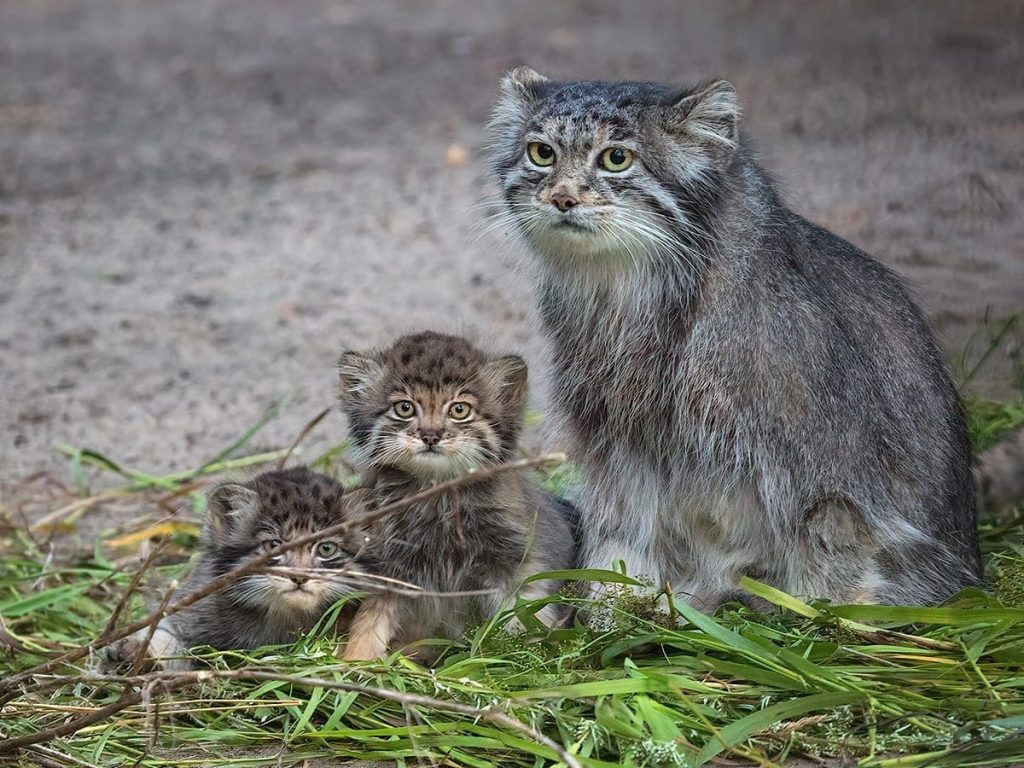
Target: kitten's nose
pixel 564 202
pixel 430 437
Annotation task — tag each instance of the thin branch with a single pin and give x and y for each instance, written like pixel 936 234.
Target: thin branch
pixel 302 436
pixel 132 586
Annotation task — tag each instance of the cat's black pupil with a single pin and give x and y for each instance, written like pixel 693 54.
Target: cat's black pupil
pixel 544 151
pixel 617 156
pixel 458 409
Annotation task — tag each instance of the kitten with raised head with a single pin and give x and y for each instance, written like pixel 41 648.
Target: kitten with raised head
pixel 749 394
pixel 428 408
pixel 244 520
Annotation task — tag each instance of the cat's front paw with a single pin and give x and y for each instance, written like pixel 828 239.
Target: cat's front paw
pixel 157 652
pixel 125 653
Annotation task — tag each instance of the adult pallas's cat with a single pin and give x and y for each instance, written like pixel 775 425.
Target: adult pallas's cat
pixel 748 393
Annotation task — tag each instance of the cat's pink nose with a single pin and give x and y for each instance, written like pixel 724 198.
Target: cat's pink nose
pixel 564 202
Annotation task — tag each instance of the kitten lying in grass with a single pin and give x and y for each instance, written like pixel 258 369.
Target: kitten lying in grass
pixel 430 408
pixel 245 520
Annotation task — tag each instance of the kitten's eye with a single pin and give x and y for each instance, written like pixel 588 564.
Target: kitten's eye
pixel 404 409
pixel 460 411
pixel 616 159
pixel 326 549
pixel 270 544
pixel 540 154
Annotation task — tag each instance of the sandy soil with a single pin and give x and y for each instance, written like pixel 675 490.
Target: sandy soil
pixel 202 203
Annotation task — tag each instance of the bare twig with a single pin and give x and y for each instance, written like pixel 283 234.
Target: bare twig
pixel 302 436
pixel 9 688
pixel 132 586
pixel 140 657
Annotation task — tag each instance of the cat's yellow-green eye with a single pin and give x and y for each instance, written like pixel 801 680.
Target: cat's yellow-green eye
pixel 326 549
pixel 460 411
pixel 540 153
pixel 270 544
pixel 616 159
pixel 404 409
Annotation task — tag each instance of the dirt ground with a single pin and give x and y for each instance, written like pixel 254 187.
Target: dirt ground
pixel 202 203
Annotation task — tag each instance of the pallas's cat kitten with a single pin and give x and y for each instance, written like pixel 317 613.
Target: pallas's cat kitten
pixel 429 408
pixel 245 520
pixel 748 393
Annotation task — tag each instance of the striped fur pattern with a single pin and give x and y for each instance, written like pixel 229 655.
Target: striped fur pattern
pixel 747 393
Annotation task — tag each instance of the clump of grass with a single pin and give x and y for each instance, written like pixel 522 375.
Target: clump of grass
pixel 657 684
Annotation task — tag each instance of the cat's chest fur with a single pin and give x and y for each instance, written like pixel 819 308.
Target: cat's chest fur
pixel 655 407
pixel 645 381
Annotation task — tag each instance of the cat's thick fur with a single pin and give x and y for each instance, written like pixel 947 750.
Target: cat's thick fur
pixel 428 408
pixel 244 520
pixel 748 393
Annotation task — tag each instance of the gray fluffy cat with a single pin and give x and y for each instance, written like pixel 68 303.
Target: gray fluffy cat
pixel 748 393
pixel 431 408
pixel 244 520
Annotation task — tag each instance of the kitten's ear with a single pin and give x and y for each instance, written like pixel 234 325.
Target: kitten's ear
pixel 356 373
pixel 509 375
pixel 228 502
pixel 711 114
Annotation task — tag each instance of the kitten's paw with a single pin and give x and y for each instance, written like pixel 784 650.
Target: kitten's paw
pixel 124 653
pixel 363 648
pixel 157 652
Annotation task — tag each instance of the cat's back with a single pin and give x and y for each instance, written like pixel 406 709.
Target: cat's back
pixel 814 306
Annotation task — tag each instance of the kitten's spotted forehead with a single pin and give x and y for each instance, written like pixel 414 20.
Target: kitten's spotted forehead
pixel 431 361
pixel 298 501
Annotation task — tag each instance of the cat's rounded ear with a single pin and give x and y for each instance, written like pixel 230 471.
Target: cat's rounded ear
pixel 357 373
pixel 509 376
pixel 710 113
pixel 227 503
pixel 518 96
pixel 522 82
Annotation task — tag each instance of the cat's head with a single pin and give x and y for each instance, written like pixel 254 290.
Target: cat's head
pixel 432 405
pixel 250 518
pixel 601 175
